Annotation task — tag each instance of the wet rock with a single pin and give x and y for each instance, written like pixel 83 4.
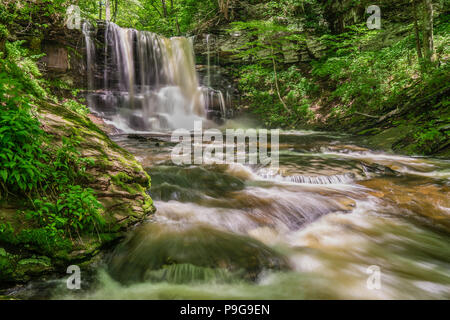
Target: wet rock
pixel 374 168
pixel 22 266
pixel 137 122
pixel 346 204
pixel 154 247
pixel 266 235
pixel 427 199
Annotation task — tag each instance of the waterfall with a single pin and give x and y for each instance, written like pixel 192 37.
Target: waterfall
pixel 90 54
pixel 215 101
pixel 148 82
pixel 214 98
pixel 208 47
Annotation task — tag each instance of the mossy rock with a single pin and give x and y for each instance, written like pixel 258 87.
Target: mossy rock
pixel 119 183
pixel 157 251
pixel 387 139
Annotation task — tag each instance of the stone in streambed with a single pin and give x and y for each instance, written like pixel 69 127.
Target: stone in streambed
pixel 158 247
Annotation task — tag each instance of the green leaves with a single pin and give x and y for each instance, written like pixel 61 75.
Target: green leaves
pixel 257 81
pixel 267 40
pixel 33 167
pixel 76 107
pixel 429 138
pixel 21 140
pixel 76 210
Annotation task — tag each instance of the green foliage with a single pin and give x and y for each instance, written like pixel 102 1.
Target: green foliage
pixel 21 66
pixel 21 139
pixel 183 17
pixel 76 210
pixel 265 49
pixel 365 77
pixel 76 107
pixel 258 83
pixel 33 167
pixel 45 239
pixel 429 139
pixel 4 33
pixel 267 40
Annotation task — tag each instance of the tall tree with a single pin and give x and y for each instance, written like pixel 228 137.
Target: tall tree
pixel 428 35
pixel 416 30
pixel 107 11
pixel 100 4
pixel 224 6
pixel 175 13
pixel 116 8
pixel 163 3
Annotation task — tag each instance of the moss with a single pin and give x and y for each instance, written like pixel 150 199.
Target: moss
pixel 44 261
pixel 123 181
pixel 130 184
pixel 19 268
pixel 112 165
pixel 6 267
pixel 389 138
pixel 148 205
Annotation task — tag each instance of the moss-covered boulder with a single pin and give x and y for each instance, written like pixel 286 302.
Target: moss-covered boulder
pixel 119 183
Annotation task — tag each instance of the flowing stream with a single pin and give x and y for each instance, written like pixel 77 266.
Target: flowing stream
pixel 310 230
pixel 321 226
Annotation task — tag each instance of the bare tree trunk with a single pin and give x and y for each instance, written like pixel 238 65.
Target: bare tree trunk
pixel 163 3
pixel 276 84
pixel 100 9
pixel 116 8
pixel 224 6
pixel 174 13
pixel 107 11
pixel 416 31
pixel 428 37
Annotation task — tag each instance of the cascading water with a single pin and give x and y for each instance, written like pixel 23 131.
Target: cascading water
pixel 141 81
pixel 216 102
pixel 90 54
pixel 309 231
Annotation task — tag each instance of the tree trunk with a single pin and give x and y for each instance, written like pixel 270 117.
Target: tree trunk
pixel 163 3
pixel 416 32
pixel 428 37
pixel 107 11
pixel 116 8
pixel 276 84
pixel 224 7
pixel 100 9
pixel 174 13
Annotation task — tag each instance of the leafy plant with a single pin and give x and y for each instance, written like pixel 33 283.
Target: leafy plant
pixel 32 167
pixel 76 107
pixel 428 140
pixel 76 211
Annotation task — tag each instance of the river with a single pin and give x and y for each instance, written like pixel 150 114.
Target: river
pixel 336 221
